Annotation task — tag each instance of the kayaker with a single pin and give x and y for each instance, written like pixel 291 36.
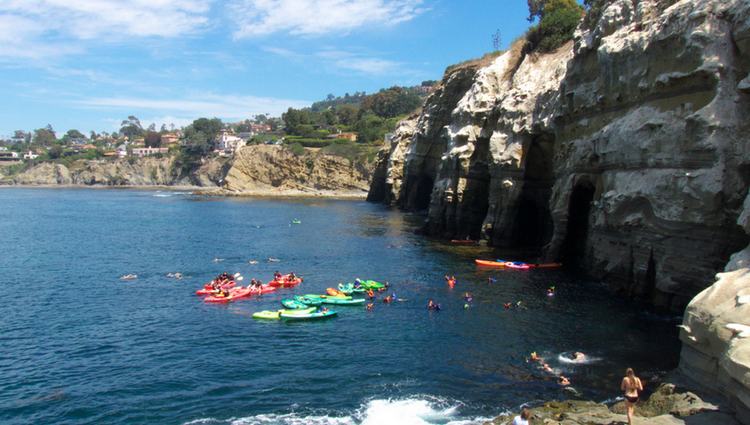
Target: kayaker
pixel 291 277
pixel 276 275
pixel 324 309
pixel 371 294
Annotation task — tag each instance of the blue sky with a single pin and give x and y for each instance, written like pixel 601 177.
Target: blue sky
pixel 88 64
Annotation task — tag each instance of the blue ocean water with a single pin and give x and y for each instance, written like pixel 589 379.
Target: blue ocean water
pixel 81 346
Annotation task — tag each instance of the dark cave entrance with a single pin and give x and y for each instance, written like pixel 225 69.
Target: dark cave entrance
pixel 424 192
pixel 533 224
pixel 574 247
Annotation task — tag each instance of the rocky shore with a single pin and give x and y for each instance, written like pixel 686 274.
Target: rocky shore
pixel 668 405
pixel 260 170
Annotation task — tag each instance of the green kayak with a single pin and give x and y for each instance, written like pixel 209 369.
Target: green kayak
pixel 371 284
pixel 308 315
pixel 348 288
pixel 294 304
pixel 339 301
pixel 308 301
pixel 325 297
pixel 276 315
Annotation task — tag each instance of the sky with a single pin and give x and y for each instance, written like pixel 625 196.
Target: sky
pixel 89 64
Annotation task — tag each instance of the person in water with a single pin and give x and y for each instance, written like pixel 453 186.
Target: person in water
pixel 523 418
pixel 371 294
pixel 563 381
pixel 432 305
pixel 388 299
pixel 547 368
pixel 468 298
pixel 631 386
pixel 451 280
pixel 578 357
pixel 535 357
pixel 370 306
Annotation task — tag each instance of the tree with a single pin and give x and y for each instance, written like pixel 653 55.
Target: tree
pixel 392 102
pixel 45 136
pixel 152 139
pixel 55 151
pixel 73 134
pixel 497 41
pixel 131 127
pixel 557 22
pixel 152 127
pixel 209 127
pixel 163 128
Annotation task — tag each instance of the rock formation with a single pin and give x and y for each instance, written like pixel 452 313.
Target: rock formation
pixel 268 170
pixel 622 153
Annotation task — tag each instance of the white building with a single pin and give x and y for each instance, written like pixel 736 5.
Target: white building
pixel 141 152
pixel 122 151
pixel 30 155
pixel 228 143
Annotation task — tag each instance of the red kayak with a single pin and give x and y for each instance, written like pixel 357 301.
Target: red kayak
pixel 464 242
pixel 285 282
pixel 517 265
pixel 264 289
pixel 208 289
pixel 234 294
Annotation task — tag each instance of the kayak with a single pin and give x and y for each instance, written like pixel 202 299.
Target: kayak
pixel 308 301
pixel 348 288
pixel 334 292
pixel 264 289
pixel 371 284
pixel 285 282
pixel 294 304
pixel 234 294
pixel 339 301
pixel 518 265
pixel 464 242
pixel 276 315
pixel 298 315
pixel 208 289
pixel 314 296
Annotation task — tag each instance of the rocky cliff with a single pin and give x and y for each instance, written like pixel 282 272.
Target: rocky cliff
pixel 148 171
pixel 623 153
pixel 272 170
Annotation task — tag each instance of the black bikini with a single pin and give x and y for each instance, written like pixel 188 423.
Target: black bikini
pixel 633 399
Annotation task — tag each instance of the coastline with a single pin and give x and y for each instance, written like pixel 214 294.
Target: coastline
pixel 208 191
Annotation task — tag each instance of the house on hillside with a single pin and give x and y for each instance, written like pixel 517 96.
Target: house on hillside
pixel 141 152
pixel 170 139
pixel 9 156
pixel 227 143
pixel 352 137
pixel 30 155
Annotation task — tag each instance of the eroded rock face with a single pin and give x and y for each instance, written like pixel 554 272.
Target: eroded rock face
pixel 266 169
pixel 715 332
pixel 623 153
pixel 149 171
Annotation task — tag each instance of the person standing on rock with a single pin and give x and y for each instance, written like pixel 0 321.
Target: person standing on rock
pixel 523 418
pixel 631 385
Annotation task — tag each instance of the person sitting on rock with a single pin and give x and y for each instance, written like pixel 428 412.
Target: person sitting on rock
pixel 523 418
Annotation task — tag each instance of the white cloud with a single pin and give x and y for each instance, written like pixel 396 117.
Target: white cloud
pixel 343 60
pixel 43 28
pixel 208 105
pixel 318 17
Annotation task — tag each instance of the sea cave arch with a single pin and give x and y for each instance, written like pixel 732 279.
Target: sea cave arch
pixel 533 225
pixel 573 249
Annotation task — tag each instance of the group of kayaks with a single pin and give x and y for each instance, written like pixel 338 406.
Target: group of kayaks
pixel 516 265
pixel 229 291
pixel 314 306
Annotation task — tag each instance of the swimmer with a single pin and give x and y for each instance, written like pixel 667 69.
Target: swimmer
pixel 432 306
pixel 468 298
pixel 563 381
pixel 507 306
pixel 370 306
pixel 451 280
pixel 388 299
pixel 491 280
pixel 547 368
pixel 535 357
pixel 578 356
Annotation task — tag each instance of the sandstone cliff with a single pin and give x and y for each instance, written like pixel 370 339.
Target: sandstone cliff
pixel 271 170
pixel 122 172
pixel 623 153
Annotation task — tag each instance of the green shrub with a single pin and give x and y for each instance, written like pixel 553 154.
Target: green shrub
pixel 296 149
pixel 558 20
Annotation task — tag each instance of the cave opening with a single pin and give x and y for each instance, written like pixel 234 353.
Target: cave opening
pixel 574 246
pixel 533 226
pixel 424 192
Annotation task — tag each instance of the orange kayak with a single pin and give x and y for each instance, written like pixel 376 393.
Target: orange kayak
pixel 334 292
pixel 516 265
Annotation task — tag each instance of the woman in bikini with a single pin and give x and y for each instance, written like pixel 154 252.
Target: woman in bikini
pixel 631 385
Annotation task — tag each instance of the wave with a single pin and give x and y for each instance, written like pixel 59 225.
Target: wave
pixel 409 411
pixel 565 358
